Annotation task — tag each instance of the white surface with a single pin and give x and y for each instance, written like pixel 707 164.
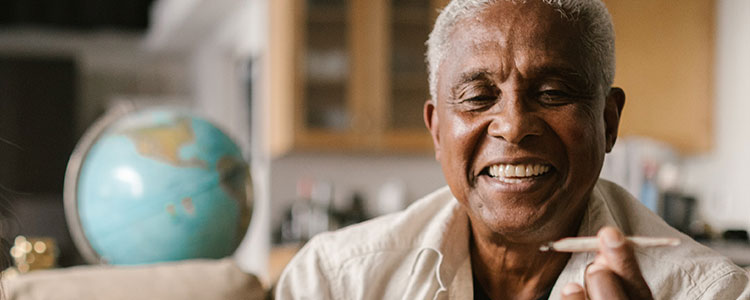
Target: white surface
pixel 180 24
pixel 217 63
pixel 720 178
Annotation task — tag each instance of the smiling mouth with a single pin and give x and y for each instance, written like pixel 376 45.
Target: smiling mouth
pixel 511 173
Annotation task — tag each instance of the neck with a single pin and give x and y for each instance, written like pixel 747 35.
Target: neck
pixel 507 270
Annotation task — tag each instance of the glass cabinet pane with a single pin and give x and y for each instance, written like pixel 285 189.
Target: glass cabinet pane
pixel 410 24
pixel 326 65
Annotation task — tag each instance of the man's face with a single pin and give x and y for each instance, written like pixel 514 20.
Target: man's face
pixel 519 130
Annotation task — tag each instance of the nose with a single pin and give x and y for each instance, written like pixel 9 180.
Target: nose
pixel 513 121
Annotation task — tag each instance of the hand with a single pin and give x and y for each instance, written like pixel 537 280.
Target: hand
pixel 614 274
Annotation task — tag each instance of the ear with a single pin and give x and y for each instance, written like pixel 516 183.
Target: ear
pixel 612 111
pixel 431 121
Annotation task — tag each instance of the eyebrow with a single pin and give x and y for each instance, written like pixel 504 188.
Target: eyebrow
pixel 559 71
pixel 564 72
pixel 474 75
pixel 464 78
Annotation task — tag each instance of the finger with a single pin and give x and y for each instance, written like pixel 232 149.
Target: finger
pixel 573 291
pixel 617 255
pixel 602 283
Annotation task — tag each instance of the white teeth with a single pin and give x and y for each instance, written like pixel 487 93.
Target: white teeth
pixel 508 171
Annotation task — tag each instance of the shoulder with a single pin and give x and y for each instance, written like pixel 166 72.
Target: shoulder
pixel 336 263
pixel 690 270
pixel 404 229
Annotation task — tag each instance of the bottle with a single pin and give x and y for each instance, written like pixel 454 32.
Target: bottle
pixel 295 225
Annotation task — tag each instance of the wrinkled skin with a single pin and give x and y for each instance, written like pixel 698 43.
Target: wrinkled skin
pixel 513 89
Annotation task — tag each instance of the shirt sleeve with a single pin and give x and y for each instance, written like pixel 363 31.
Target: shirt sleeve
pixel 734 285
pixel 306 275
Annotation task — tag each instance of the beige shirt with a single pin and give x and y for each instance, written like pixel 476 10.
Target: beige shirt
pixel 423 253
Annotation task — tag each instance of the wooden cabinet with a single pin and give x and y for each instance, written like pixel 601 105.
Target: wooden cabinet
pixel 665 63
pixel 349 75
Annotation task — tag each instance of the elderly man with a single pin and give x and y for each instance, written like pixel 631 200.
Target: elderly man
pixel 522 113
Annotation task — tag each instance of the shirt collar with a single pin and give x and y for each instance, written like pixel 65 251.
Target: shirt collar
pixel 444 251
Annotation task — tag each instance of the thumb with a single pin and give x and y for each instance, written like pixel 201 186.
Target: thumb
pixel 618 255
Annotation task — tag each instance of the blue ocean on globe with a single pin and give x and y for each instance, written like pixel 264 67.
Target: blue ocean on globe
pixel 162 185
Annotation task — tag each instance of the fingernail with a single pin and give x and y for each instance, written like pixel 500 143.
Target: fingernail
pixel 613 238
pixel 571 288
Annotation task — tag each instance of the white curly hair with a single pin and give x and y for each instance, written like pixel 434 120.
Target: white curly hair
pixel 598 35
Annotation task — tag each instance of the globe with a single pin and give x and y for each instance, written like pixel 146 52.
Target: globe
pixel 155 185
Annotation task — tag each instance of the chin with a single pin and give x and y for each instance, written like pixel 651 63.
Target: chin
pixel 527 224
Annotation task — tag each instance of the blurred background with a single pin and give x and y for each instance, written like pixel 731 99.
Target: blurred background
pixel 325 99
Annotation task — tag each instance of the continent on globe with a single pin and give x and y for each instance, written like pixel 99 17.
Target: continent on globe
pixel 233 176
pixel 163 142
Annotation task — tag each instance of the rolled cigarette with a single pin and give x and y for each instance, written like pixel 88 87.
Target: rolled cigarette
pixel 591 244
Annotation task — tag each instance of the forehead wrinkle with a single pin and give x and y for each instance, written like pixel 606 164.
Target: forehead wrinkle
pixel 504 45
pixel 494 56
pixel 545 66
pixel 482 42
pixel 528 51
pixel 546 71
pixel 505 40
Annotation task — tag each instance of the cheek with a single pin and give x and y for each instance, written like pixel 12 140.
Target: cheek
pixel 459 137
pixel 459 134
pixel 583 136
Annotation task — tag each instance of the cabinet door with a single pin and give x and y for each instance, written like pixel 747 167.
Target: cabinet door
pixel 325 109
pixel 665 65
pixel 409 24
pixel 358 80
pixel 325 66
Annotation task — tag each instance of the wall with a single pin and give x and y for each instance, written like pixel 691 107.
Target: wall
pixel 232 36
pixel 367 175
pixel 110 63
pixel 720 178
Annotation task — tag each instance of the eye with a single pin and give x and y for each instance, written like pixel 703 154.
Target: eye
pixel 474 96
pixel 554 97
pixel 480 98
pixel 479 102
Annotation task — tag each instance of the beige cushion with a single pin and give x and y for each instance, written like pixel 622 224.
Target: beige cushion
pixel 191 279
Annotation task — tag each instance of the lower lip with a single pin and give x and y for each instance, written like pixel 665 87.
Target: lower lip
pixel 517 185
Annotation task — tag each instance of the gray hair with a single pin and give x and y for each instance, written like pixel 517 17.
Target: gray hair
pixel 598 36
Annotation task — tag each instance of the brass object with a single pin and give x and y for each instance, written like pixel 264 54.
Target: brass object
pixel 34 253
